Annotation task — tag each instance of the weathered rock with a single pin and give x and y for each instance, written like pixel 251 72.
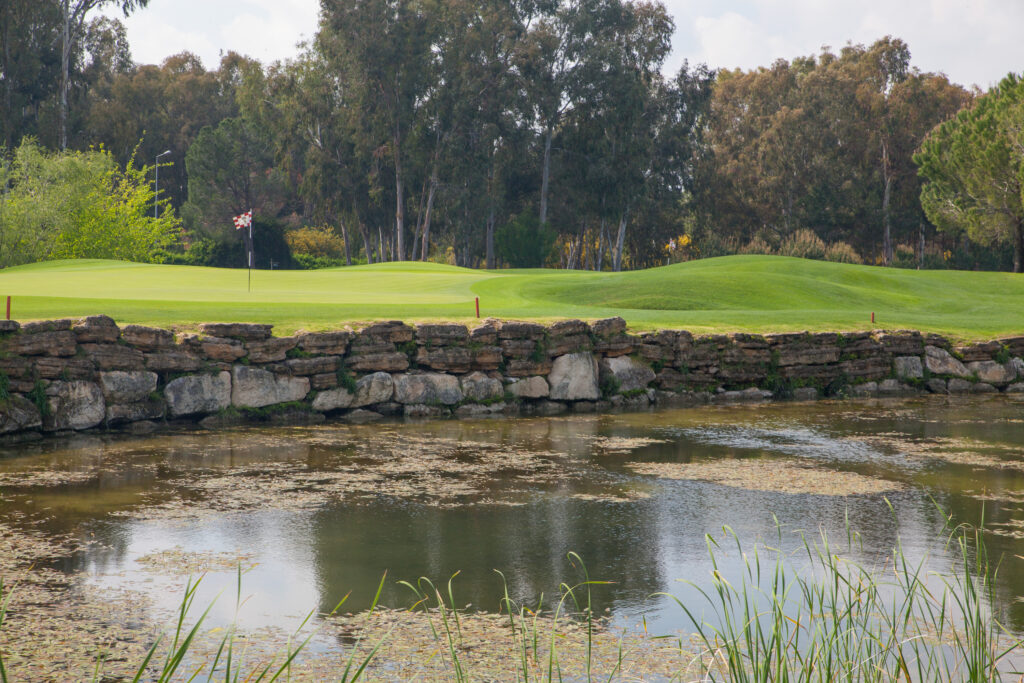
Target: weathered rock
pixel 574 378
pixel 893 387
pixel 74 405
pixel 256 388
pixel 822 373
pixel 456 359
pixel 520 348
pixel 670 379
pixel 319 365
pixel 628 374
pixel 486 334
pixel 391 361
pixel 325 343
pixel 9 326
pixel 519 330
pixel 39 326
pixel 526 367
pixel 50 343
pixel 222 349
pixel 195 394
pixel 152 408
pixel 486 358
pixel 441 334
pixel 479 410
pixel 983 351
pixel 805 394
pixel 616 345
pixel 147 338
pixel 865 390
pixel 477 386
pixel 17 414
pixel 430 388
pixel 270 350
pixel 529 387
pixel 999 374
pixel 249 332
pixel 327 380
pixel 1014 345
pixel 660 347
pixel 127 387
pixel 1018 365
pixel 1017 388
pixel 908 367
pixel 98 329
pixel 63 367
pixel 389 409
pixel 376 388
pixel 865 368
pixel 333 399
pixel 937 386
pixel 172 361
pixel 940 362
pixel 958 386
pixel 902 342
pixel 114 356
pixel 549 408
pixel 807 355
pixel 423 410
pixel 560 345
pixel 607 327
pixel 983 388
pixel 394 331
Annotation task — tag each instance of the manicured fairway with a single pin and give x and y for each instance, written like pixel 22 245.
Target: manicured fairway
pixel 750 293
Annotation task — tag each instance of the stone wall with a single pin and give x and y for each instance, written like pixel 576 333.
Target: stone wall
pixel 62 375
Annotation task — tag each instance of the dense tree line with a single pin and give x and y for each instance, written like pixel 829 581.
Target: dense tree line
pixel 509 132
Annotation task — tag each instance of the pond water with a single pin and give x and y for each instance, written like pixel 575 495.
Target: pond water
pixel 315 513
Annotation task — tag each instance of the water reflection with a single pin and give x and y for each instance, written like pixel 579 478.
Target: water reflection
pixel 310 557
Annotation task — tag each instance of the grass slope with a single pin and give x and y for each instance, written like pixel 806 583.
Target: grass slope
pixel 749 293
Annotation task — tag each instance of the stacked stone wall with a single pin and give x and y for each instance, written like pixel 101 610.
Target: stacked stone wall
pixel 70 375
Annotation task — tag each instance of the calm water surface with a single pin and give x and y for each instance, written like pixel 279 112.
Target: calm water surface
pixel 643 533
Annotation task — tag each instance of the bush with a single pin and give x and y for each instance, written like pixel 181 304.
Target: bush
pixel 307 262
pixel 803 244
pixel 841 252
pixel 757 246
pixel 316 242
pixel 524 242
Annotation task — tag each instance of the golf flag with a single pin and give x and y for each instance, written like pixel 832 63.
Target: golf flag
pixel 243 221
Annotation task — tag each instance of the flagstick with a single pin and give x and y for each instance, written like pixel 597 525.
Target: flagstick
pixel 251 249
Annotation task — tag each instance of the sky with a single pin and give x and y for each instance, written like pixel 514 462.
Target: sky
pixel 971 41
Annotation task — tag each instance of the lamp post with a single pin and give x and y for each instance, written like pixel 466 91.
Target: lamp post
pixel 156 185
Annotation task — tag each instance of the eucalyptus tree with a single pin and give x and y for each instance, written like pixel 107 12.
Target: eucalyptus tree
pixel 29 65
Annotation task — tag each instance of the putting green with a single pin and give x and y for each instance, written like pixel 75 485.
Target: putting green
pixel 748 293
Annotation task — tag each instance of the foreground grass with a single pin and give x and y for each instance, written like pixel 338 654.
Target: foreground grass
pixel 735 293
pixel 814 618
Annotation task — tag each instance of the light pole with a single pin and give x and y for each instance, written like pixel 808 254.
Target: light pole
pixel 156 185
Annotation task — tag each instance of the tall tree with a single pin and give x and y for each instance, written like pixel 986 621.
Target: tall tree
pixel 973 167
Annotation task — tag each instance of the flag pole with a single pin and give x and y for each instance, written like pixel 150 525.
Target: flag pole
pixel 251 249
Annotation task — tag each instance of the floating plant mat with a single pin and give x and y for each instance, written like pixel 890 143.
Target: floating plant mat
pixel 953 450
pixel 179 562
pixel 779 476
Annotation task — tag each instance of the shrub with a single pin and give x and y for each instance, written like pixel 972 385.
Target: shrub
pixel 803 244
pixel 757 246
pixel 318 242
pixel 841 252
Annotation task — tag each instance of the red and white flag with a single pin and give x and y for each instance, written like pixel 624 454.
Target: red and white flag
pixel 243 221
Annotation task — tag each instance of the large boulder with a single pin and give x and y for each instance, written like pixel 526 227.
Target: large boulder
pixel 18 414
pixel 429 388
pixel 270 350
pixel 98 329
pixel 127 387
pixel 477 386
pixel 908 367
pixel 940 362
pixel 574 377
pixel 375 388
pixel 529 387
pixel 147 338
pixel 333 399
pixel 74 405
pixel 152 408
pixel 114 356
pixel 327 343
pixel 45 342
pixel 195 394
pixel 991 372
pixel 629 374
pixel 256 388
pixel 243 331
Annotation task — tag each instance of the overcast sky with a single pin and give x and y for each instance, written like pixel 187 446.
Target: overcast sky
pixel 973 41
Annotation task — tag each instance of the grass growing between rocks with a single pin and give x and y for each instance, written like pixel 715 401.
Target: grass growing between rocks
pixel 733 293
pixel 808 616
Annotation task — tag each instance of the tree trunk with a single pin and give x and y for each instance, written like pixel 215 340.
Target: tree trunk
pixel 620 242
pixel 886 213
pixel 1018 247
pixel 490 238
pixel 344 237
pixel 367 242
pixel 65 76
pixel 545 177
pixel 602 244
pixel 920 256
pixel 425 248
pixel 399 201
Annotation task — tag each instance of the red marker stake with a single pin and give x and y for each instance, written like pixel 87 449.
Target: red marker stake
pixel 872 318
pixel 477 307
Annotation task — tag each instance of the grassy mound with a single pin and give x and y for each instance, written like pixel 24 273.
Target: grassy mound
pixel 750 293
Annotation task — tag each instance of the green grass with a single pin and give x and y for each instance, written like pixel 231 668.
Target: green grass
pixel 734 293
